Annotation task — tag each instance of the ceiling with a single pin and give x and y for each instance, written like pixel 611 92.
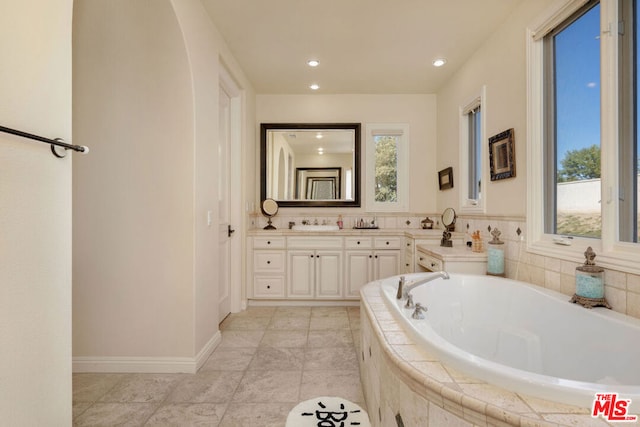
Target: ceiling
pixel 364 46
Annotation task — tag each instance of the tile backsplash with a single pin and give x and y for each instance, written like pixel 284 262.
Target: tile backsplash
pixel 622 290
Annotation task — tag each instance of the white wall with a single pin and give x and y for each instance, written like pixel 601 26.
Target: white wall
pixel 417 110
pixel 500 64
pixel 35 215
pixel 145 260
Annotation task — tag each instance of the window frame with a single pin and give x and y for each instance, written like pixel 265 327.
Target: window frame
pixel 612 253
pixel 467 205
pixel 402 192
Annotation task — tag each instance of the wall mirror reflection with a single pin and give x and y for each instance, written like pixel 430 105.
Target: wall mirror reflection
pixel 310 164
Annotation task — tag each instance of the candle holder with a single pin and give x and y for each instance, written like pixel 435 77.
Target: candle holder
pixel 590 283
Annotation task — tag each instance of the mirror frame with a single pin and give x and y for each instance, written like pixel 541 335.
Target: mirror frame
pixel 355 203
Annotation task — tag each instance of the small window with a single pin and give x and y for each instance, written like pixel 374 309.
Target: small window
pixel 387 167
pixel 572 127
pixel 471 154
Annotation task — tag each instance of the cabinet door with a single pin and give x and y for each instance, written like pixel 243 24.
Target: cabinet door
pixel 300 274
pixel 386 264
pixel 328 274
pixel 358 271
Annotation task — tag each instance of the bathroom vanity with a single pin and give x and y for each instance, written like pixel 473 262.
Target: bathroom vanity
pixel 330 265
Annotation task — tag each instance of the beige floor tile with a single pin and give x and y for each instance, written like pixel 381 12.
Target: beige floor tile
pixel 142 388
pixel 188 414
pixel 229 359
pixel 277 359
pixel 335 322
pixel 289 323
pixel 338 358
pixel 329 312
pixel 115 414
pixel 256 414
pixel 344 384
pixel 210 387
pixel 269 387
pixel 330 338
pixel 246 323
pixel 91 387
pixel 284 338
pixel 292 312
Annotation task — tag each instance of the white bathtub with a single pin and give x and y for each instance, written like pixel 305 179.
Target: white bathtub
pixel 524 338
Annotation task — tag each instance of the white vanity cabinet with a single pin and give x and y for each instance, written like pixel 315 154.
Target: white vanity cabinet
pixel 314 267
pixel 268 262
pixel 370 258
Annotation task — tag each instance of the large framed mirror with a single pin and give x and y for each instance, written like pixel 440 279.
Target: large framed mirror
pixel 310 164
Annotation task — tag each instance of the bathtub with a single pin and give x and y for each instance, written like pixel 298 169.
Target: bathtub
pixel 523 338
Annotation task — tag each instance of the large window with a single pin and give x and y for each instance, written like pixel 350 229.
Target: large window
pixel 582 146
pixel 572 127
pixel 387 167
pixel 472 151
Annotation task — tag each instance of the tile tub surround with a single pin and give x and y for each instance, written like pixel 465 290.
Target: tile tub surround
pixel 400 378
pixel 269 360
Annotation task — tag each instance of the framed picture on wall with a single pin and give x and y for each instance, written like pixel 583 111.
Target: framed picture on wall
pixel 502 159
pixel 445 178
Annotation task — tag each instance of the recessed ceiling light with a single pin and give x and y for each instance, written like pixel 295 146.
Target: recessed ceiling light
pixel 439 62
pixel 313 63
pixel 314 87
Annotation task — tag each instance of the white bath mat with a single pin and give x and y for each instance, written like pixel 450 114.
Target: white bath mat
pixel 327 411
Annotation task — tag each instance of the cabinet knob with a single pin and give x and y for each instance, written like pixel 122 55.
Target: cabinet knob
pixel 370 256
pixel 376 257
pixel 387 243
pixel 311 256
pixel 433 264
pixel 268 262
pixel 421 259
pixel 406 265
pixel 268 286
pixel 408 244
pixel 358 241
pixel 268 242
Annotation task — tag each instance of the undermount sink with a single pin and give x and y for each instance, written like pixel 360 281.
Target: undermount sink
pixel 312 227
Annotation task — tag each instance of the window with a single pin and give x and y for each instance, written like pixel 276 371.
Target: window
pixel 582 146
pixel 628 161
pixel 387 167
pixel 572 126
pixel 472 152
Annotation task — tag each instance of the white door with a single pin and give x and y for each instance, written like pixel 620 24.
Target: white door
pixel 386 264
pixel 224 206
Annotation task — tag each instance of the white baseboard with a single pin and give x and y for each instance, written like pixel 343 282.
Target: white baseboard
pixel 162 365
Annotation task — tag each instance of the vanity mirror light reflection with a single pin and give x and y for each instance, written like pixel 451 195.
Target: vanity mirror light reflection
pixel 310 164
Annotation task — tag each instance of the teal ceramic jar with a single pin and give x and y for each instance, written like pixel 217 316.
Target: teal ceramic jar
pixel 495 254
pixel 590 278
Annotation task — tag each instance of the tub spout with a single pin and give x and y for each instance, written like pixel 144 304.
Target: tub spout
pixel 429 278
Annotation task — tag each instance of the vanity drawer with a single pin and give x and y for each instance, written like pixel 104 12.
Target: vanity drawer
pixel 387 242
pixel 429 262
pixel 268 242
pixel 357 243
pixel 312 242
pixel 268 286
pixel 268 261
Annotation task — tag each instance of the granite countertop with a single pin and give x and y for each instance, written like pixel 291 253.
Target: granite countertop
pixel 415 233
pixel 452 254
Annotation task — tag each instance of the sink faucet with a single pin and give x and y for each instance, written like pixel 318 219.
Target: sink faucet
pixel 429 278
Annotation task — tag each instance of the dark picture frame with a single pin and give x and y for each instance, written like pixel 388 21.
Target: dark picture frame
pixel 445 178
pixel 502 158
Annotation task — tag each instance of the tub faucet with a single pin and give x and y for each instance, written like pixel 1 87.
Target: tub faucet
pixel 400 293
pixel 417 314
pixel 432 276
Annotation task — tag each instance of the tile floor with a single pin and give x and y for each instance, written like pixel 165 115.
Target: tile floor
pixel 270 358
